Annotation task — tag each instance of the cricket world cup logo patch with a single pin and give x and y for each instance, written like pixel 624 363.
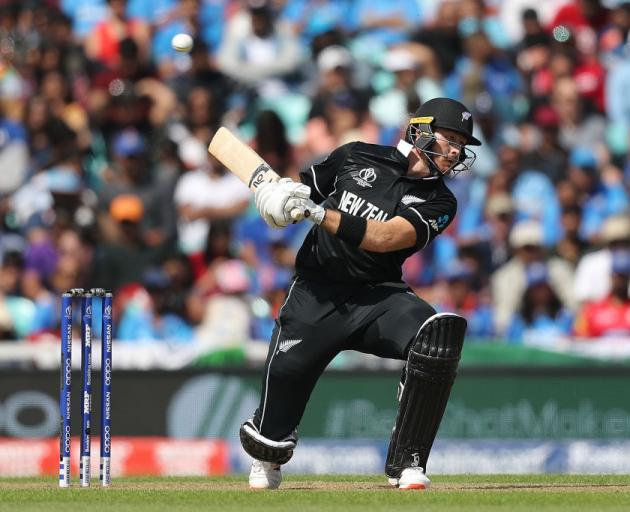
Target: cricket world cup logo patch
pixel 364 177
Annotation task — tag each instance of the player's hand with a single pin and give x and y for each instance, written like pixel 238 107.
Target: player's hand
pixel 296 189
pixel 316 213
pixel 276 201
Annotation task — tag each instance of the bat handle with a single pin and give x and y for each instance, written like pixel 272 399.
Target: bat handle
pixel 297 214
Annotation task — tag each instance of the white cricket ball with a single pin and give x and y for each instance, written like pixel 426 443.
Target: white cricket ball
pixel 182 42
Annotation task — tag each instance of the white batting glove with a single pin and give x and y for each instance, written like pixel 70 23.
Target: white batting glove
pixel 316 213
pixel 296 188
pixel 276 201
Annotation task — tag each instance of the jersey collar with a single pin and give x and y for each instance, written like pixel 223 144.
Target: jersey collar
pixel 404 147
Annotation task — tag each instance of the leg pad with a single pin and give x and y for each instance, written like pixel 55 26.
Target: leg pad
pixel 429 375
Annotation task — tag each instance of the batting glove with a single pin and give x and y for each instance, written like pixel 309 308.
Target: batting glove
pixel 316 213
pixel 277 201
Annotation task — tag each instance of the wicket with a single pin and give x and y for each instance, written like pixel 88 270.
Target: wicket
pixel 86 297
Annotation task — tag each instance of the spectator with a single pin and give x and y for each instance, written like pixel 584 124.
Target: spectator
pixel 609 316
pixel 581 14
pixel 258 52
pixel 533 183
pixel 592 275
pixel 617 104
pixel 601 190
pixel 310 18
pixel 578 127
pixel 571 246
pixel 534 37
pixel 131 173
pixel 206 267
pixel 123 259
pixel 509 283
pixel 203 112
pixel 102 44
pixel 546 155
pixel 206 192
pixel 474 17
pixel 202 75
pixel 491 238
pixel 85 14
pixel 482 72
pixel 230 301
pixel 462 298
pixel 344 120
pixel 13 84
pixel 11 270
pixel 204 21
pixel 14 155
pixel 75 248
pixel 589 73
pixel 7 332
pixel 147 316
pixel 612 40
pixel 335 66
pixel 15 310
pixel 272 144
pixel 511 13
pixel 390 108
pixel 443 36
pixel 541 319
pixel 382 23
pixel 68 128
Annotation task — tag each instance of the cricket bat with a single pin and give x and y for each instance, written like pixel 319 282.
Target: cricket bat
pixel 245 163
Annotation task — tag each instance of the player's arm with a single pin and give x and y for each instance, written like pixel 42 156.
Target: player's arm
pixel 392 235
pixel 415 226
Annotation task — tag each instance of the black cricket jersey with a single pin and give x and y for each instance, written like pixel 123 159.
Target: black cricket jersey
pixel 370 181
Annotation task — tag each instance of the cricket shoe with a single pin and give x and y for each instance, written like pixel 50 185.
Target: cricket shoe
pixel 265 475
pixel 411 478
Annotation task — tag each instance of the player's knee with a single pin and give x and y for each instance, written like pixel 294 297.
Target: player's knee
pixel 261 448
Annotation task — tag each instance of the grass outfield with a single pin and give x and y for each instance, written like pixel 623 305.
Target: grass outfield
pixel 315 493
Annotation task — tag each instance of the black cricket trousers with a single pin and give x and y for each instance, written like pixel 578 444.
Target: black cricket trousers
pixel 315 323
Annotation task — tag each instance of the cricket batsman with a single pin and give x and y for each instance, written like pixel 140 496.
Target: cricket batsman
pixel 372 206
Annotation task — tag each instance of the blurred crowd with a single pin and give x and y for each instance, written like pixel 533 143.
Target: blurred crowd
pixel 105 180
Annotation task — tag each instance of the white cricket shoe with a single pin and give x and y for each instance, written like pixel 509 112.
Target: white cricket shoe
pixel 411 478
pixel 265 475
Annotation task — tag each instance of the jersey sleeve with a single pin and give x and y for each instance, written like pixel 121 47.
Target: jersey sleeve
pixel 321 177
pixel 430 218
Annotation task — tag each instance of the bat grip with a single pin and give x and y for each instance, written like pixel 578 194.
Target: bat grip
pixel 297 214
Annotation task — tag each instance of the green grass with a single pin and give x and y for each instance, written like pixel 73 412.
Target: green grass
pixel 514 493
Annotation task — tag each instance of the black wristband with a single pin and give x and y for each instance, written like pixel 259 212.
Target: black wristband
pixel 351 229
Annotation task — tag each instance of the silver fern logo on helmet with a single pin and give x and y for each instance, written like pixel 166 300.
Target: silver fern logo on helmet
pixel 466 116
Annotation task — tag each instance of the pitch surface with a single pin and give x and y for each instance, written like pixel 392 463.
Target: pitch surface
pixel 335 493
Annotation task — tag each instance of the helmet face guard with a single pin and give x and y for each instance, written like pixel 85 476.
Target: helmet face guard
pixel 420 134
